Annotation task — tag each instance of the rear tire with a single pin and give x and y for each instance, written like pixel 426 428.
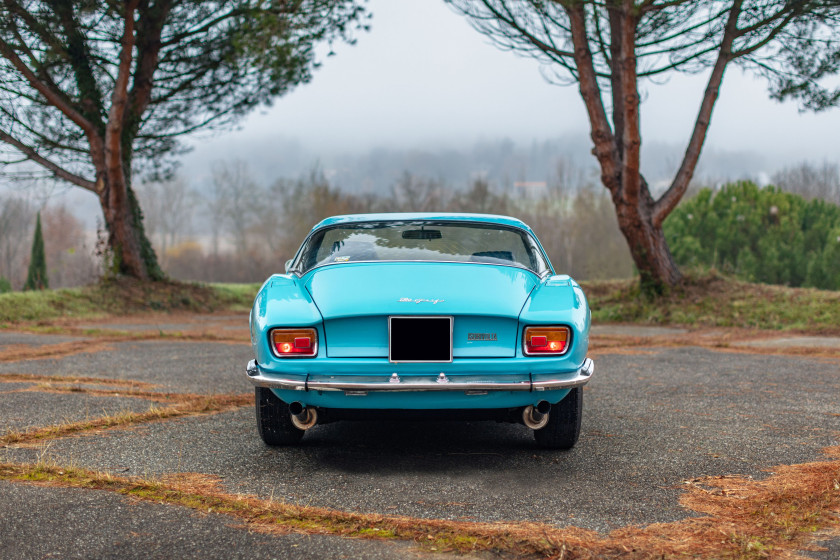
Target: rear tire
pixel 563 428
pixel 274 421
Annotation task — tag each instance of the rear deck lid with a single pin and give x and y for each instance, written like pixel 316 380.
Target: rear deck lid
pixel 357 299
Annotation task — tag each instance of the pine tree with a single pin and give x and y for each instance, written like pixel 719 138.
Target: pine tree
pixel 36 279
pixel 104 87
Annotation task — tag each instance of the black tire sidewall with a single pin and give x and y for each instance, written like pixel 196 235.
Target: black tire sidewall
pixel 274 421
pixel 563 428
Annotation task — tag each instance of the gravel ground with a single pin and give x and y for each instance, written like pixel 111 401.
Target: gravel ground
pixel 831 552
pixel 8 387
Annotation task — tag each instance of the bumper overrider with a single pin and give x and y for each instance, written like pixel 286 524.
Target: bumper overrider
pixel 360 384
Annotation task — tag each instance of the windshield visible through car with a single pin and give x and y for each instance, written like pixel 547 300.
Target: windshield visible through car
pixel 421 241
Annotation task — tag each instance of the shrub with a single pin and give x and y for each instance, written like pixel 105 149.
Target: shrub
pixel 759 234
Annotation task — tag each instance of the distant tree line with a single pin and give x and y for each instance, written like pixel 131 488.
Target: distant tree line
pixel 236 229
pixel 786 234
pixel 763 234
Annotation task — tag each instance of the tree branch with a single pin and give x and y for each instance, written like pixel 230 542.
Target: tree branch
pixel 55 98
pixel 176 39
pixel 149 31
pixel 602 44
pixel 590 91
pixel 746 51
pixel 616 76
pixel 530 37
pixel 669 200
pixel 651 6
pixel 41 30
pixel 631 141
pixel 119 98
pixel 40 138
pixel 79 59
pixel 57 171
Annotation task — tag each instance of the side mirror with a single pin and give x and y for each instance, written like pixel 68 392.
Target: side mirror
pixel 288 265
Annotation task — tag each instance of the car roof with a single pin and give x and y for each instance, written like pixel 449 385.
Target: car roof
pixel 432 216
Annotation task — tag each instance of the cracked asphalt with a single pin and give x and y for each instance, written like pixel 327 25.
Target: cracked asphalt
pixel 654 417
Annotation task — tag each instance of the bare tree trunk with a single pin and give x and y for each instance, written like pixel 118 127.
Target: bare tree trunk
pixel 648 248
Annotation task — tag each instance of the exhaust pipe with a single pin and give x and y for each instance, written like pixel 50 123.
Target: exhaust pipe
pixel 303 418
pixel 296 408
pixel 536 417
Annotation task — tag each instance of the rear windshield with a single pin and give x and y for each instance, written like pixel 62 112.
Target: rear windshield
pixel 421 241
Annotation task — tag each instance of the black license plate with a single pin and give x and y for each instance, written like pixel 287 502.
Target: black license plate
pixel 420 339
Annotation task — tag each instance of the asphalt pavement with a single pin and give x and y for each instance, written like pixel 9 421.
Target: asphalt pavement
pixel 654 417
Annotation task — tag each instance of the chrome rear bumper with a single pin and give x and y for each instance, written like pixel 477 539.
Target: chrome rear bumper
pixel 360 384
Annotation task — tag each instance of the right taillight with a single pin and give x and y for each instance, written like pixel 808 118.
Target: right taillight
pixel 546 341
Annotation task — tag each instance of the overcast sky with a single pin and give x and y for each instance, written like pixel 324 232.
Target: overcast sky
pixel 423 78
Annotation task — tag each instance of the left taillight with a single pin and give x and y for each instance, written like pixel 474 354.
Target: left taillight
pixel 294 343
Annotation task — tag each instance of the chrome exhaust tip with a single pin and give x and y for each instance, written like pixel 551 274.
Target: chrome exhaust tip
pixel 536 418
pixel 303 417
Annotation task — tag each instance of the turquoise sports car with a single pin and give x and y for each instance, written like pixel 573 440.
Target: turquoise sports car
pixel 427 315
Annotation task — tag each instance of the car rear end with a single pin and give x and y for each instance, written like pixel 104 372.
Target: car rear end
pixel 476 334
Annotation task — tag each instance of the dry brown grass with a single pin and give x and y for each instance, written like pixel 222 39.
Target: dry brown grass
pixel 21 352
pixel 73 380
pixel 182 405
pixel 153 396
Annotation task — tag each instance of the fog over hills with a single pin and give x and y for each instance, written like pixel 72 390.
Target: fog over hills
pixel 501 161
pixel 564 162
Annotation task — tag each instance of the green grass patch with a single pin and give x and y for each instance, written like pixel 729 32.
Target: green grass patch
pixel 123 297
pixel 236 294
pixel 710 299
pixel 46 304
